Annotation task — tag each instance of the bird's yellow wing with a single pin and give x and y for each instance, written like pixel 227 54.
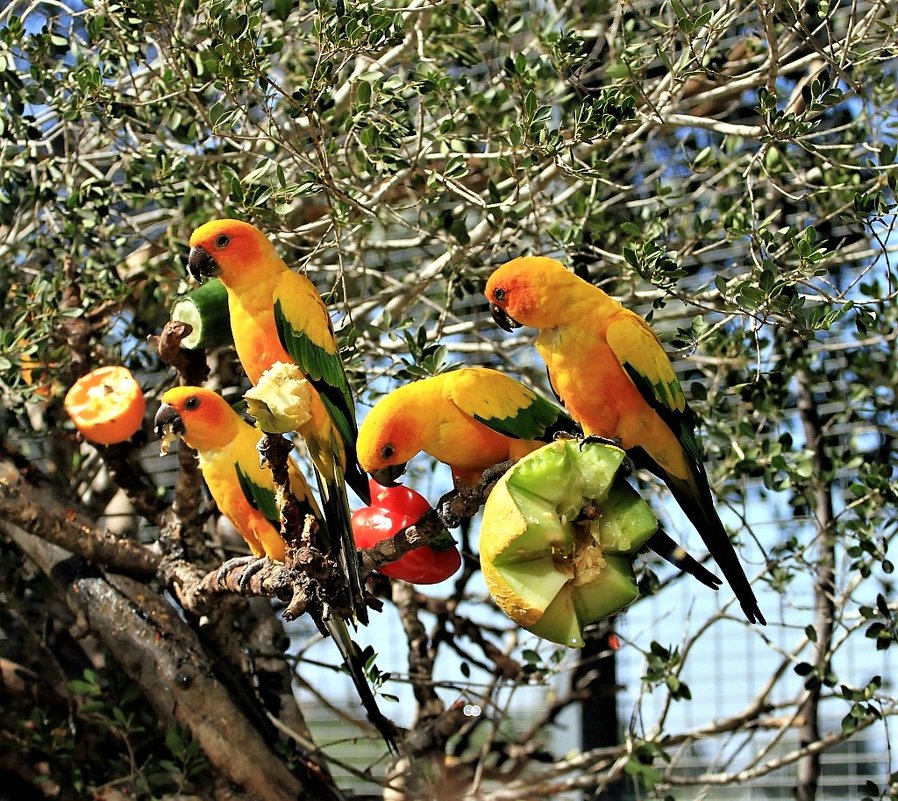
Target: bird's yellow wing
pixel 305 330
pixel 645 361
pixel 505 405
pixel 258 486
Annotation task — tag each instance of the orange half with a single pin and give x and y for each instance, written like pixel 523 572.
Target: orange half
pixel 106 405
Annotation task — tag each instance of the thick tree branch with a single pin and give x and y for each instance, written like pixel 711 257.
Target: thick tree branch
pixel 38 511
pixel 193 370
pixel 178 680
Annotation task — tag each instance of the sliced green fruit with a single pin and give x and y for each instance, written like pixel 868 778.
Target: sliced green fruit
pixel 205 310
pixel 559 533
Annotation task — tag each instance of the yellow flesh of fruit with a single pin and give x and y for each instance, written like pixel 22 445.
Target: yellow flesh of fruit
pixel 547 572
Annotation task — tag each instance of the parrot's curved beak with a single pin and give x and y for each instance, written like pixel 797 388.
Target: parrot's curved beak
pixel 201 265
pixel 386 476
pixel 167 418
pixel 502 319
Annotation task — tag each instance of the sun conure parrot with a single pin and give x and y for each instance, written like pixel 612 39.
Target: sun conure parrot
pixel 472 419
pixel 278 316
pixel 245 494
pixel 611 372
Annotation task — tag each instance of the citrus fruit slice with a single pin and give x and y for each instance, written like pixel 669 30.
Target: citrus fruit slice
pixel 559 533
pixel 106 405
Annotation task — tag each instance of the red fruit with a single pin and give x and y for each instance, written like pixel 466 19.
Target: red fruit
pixel 393 509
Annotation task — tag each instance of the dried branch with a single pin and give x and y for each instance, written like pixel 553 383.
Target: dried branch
pixel 128 475
pixel 192 367
pixel 38 511
pixel 193 370
pixel 421 654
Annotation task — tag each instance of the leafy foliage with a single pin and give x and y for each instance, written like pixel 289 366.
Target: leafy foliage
pixel 727 169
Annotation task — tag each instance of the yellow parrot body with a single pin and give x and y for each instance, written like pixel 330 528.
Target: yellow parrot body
pixel 579 360
pixel 244 492
pixel 242 489
pixel 472 419
pixel 611 372
pixel 278 316
pixel 252 323
pixel 464 418
pixel 219 473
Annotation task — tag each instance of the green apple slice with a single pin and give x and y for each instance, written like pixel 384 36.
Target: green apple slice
pixel 559 533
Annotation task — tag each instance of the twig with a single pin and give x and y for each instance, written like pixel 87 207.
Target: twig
pixel 190 364
pixel 421 655
pixel 821 501
pixel 193 370
pixel 464 502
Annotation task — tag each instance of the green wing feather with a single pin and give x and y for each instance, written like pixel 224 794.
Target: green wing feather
pixel 305 332
pixel 507 406
pixel 324 370
pixel 261 498
pixel 643 358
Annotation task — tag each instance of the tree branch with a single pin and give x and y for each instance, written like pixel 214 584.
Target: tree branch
pixel 178 680
pixel 821 501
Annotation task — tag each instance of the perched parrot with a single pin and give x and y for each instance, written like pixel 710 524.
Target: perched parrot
pixel 277 316
pixel 244 492
pixel 472 419
pixel 611 372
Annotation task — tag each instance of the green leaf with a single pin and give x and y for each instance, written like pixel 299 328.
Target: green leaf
pixel 282 9
pixel 530 104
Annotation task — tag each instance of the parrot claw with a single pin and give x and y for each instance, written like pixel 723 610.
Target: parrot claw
pixel 262 449
pixel 250 570
pixel 248 567
pixel 595 439
pixel 446 511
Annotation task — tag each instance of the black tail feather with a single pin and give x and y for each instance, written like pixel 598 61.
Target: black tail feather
pixel 352 658
pixel 701 513
pixel 358 481
pixel 695 500
pixel 662 544
pixel 338 519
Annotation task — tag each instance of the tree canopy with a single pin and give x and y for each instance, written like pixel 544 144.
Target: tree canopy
pixel 726 169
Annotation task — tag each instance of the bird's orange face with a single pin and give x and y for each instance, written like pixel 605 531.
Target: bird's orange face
pixel 388 437
pixel 224 248
pixel 520 292
pixel 199 415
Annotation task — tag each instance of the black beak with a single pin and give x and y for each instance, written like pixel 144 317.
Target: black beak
pixel 387 476
pixel 167 416
pixel 504 322
pixel 201 265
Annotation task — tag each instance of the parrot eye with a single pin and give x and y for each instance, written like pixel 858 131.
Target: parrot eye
pixel 222 241
pixel 387 451
pixel 499 293
pixel 191 403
